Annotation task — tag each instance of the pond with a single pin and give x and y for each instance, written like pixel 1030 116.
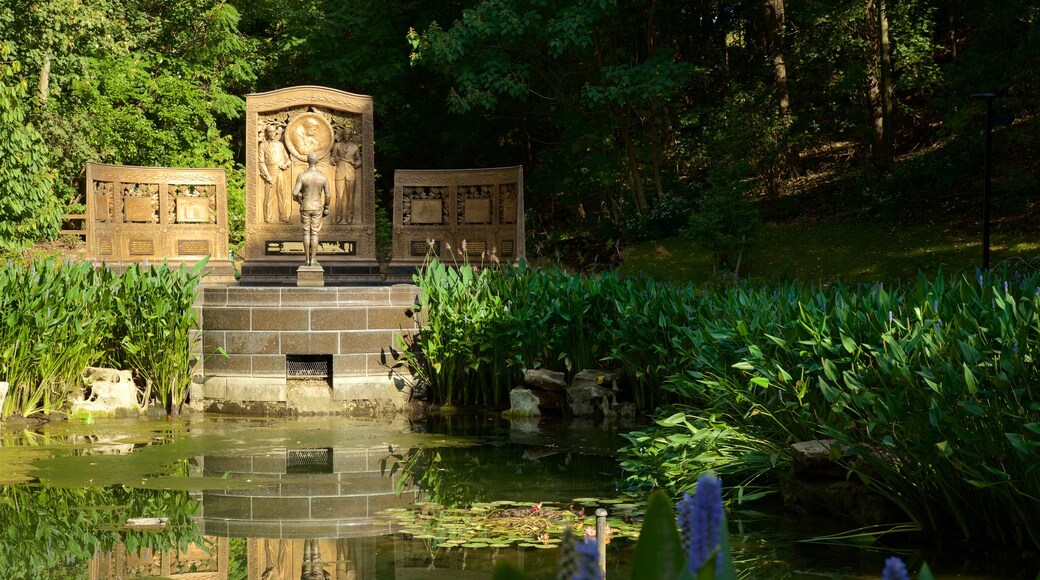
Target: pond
pixel 211 497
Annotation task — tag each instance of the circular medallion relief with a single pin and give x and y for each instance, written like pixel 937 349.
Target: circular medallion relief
pixel 308 133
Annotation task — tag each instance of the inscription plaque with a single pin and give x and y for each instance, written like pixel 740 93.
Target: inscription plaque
pixel 509 210
pixel 421 247
pixel 193 247
pixel 139 209
pixel 507 247
pixel 104 208
pixel 105 247
pixel 325 248
pixel 474 247
pixel 193 210
pixel 427 211
pixel 478 211
pixel 142 247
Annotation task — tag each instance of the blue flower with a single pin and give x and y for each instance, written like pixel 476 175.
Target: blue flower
pixel 700 522
pixel 587 556
pixel 889 316
pixel 579 559
pixel 894 569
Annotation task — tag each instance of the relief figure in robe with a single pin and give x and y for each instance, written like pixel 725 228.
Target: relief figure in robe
pixel 346 155
pixel 274 171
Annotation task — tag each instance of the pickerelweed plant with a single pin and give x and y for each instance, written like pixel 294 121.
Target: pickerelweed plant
pixel 930 386
pixel 56 318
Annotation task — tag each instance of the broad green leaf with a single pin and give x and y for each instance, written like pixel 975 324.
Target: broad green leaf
pixel 659 552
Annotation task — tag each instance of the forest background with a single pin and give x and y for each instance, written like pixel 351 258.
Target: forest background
pixel 634 120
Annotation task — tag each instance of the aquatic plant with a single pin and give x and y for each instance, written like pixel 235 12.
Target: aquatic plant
pixel 696 545
pixel 54 321
pixel 700 522
pixel 155 327
pixel 930 385
pixel 56 318
pixel 676 450
pixel 895 569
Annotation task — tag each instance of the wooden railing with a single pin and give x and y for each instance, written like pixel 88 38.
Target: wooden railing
pixel 77 223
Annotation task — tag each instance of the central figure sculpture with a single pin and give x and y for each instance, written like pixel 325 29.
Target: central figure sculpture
pixel 312 193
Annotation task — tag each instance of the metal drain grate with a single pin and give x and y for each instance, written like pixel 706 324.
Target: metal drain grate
pixel 308 460
pixel 308 366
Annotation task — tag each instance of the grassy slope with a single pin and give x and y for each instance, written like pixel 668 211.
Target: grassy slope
pixel 854 251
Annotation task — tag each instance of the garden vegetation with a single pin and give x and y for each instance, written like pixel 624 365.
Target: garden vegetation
pixel 57 318
pixel 930 387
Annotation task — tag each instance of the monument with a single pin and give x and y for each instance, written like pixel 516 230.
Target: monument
pixel 158 214
pixel 283 129
pixel 438 209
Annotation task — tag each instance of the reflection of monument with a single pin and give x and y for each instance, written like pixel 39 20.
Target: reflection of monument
pixel 209 562
pixel 306 512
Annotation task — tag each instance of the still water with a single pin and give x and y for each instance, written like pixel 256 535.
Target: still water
pixel 210 497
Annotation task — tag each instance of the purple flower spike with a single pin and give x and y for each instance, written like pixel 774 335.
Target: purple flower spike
pixel 588 561
pixel 700 521
pixel 894 569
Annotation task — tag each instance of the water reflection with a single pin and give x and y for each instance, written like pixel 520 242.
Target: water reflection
pixel 248 499
pixel 261 498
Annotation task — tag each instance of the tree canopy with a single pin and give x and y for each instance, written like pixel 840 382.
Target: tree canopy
pixel 629 117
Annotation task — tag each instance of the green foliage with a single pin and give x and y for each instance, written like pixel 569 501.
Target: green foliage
pixel 384 233
pixel 121 82
pixel 28 209
pixel 678 449
pixel 47 527
pixel 55 322
pixel 461 305
pixel 59 318
pixel 930 385
pixel 155 325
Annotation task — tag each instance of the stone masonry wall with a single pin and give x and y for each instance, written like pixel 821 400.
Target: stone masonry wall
pixel 258 327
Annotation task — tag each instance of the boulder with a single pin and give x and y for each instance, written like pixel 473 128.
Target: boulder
pixel 545 379
pixel 109 392
pixel 597 377
pixel 523 403
pixel 587 400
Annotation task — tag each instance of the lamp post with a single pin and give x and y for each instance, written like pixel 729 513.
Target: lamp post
pixel 986 175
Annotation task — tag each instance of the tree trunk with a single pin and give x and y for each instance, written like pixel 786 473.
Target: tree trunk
pixel 43 88
pixel 774 26
pixel 634 175
pixel 879 80
pixel 887 93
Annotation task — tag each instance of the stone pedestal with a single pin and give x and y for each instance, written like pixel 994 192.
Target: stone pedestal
pixel 310 276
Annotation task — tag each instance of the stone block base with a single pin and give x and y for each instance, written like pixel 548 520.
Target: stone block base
pixel 310 276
